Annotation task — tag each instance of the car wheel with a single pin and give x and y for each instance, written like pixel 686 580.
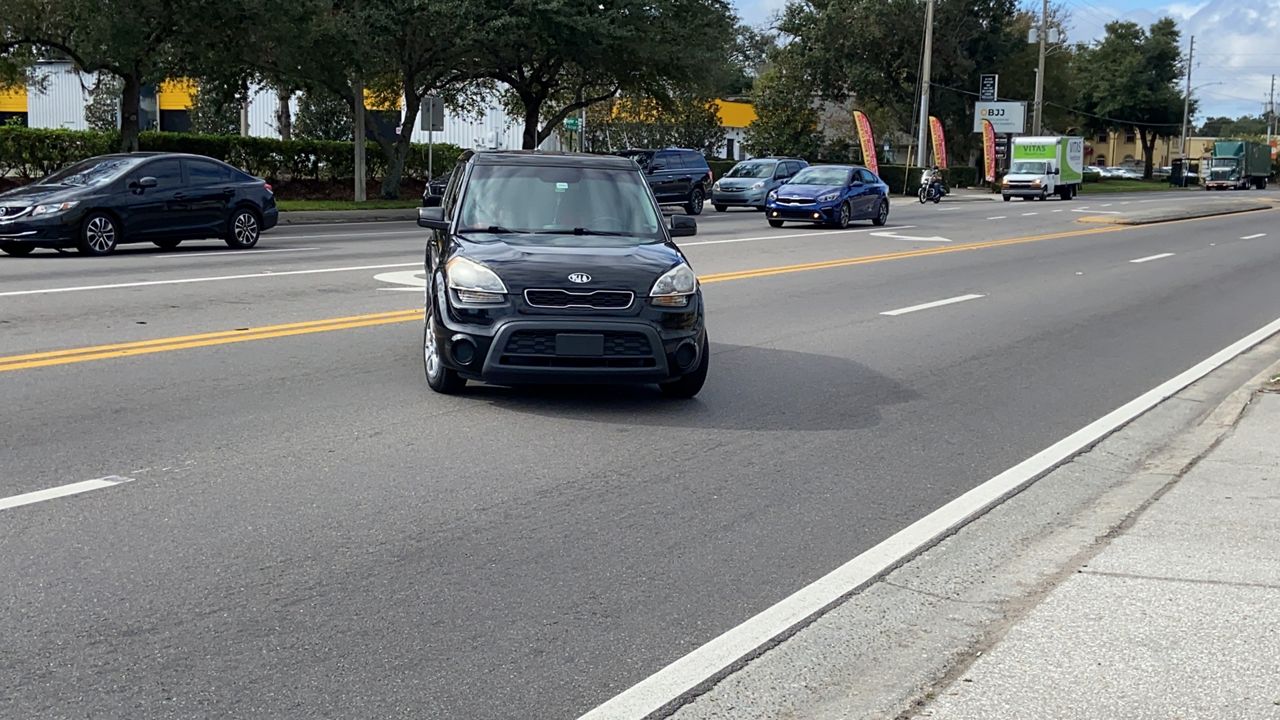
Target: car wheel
pixel 99 235
pixel 16 249
pixel 722 208
pixel 691 384
pixel 439 378
pixel 696 200
pixel 775 223
pixel 882 215
pixel 244 229
pixel 846 214
pixel 1007 198
pixel 167 244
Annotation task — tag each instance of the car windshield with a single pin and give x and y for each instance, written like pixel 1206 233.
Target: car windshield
pixel 752 170
pixel 821 176
pixel 641 158
pixel 1224 162
pixel 1025 167
pixel 557 205
pixel 90 172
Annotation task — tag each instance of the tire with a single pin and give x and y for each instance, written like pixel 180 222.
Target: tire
pixel 722 208
pixel 244 229
pixel 439 378
pixel 882 214
pixel 99 235
pixel 691 384
pixel 775 223
pixel 1007 198
pixel 846 214
pixel 16 249
pixel 937 198
pixel 167 244
pixel 923 195
pixel 697 199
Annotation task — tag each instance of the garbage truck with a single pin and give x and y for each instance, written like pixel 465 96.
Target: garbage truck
pixel 1044 166
pixel 1238 165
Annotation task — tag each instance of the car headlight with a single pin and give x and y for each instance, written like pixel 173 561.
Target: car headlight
pixel 715 185
pixel 1035 183
pixel 829 197
pixel 674 287
pixel 773 195
pixel 53 209
pixel 758 186
pixel 474 283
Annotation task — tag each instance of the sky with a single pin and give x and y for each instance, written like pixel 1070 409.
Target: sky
pixel 1237 42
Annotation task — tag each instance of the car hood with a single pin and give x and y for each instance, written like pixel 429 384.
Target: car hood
pixel 729 183
pixel 807 192
pixel 1023 177
pixel 547 266
pixel 39 194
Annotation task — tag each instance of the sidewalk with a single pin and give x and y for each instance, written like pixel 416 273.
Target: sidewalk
pixel 1178 617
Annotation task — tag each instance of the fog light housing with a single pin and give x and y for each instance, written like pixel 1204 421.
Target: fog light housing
pixel 463 349
pixel 817 216
pixel 686 355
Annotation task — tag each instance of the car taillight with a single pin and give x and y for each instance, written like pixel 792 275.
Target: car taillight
pixel 268 187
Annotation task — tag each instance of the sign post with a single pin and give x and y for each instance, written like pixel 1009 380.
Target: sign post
pixel 432 119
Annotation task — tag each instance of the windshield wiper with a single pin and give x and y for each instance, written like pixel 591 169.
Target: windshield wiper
pixel 493 230
pixel 583 231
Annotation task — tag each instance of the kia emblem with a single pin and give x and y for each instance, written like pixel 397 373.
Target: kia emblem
pixel 579 278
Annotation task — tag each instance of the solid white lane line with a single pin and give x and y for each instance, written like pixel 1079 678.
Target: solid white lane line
pixel 1253 237
pixel 999 217
pixel 230 253
pixel 1058 211
pixel 1029 214
pixel 1149 258
pixel 714 659
pixel 62 491
pixel 931 305
pixel 784 237
pixel 215 278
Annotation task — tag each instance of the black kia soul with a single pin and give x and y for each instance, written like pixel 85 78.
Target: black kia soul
pixel 558 268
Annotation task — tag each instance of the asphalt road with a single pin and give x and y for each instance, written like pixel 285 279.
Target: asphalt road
pixel 309 532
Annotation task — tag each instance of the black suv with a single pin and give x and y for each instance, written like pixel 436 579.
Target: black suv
pixel 678 177
pixel 548 267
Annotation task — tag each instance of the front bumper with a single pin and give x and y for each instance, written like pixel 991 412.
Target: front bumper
pixel 47 232
pixel 739 198
pixel 1023 190
pixel 812 212
pixel 648 345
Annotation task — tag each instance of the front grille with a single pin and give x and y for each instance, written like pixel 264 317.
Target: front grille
pixel 537 348
pixel 12 213
pixel 589 299
pixel 794 201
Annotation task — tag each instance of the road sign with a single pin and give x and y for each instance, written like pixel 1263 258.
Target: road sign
pixel 1005 117
pixel 431 115
pixel 572 124
pixel 988 86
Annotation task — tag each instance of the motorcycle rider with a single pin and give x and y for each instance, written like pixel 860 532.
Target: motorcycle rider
pixel 933 181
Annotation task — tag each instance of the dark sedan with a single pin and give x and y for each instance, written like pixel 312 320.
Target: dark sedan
pixel 100 203
pixel 831 195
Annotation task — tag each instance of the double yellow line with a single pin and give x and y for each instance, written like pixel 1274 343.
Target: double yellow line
pixel 186 342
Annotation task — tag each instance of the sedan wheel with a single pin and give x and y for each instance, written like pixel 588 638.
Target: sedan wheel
pixel 98 236
pixel 244 230
pixel 842 220
pixel 882 215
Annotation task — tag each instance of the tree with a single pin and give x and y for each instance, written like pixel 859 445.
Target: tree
pixel 689 122
pixel 556 57
pixel 323 116
pixel 1132 83
pixel 103 109
pixel 216 109
pixel 131 39
pixel 1247 125
pixel 787 118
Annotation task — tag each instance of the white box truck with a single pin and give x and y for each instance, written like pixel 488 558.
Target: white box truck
pixel 1044 166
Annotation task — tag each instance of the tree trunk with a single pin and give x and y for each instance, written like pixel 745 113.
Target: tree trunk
pixel 397 151
pixel 1148 138
pixel 532 114
pixel 284 114
pixel 130 112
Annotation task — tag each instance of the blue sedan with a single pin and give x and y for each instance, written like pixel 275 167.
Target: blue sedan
pixel 831 195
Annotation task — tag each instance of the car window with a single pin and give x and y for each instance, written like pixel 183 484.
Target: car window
pixel 168 173
pixel 200 172
pixel 558 205
pixel 867 177
pixel 669 161
pixel 751 169
pixel 642 158
pixel 793 168
pixel 822 175
pixel 694 160
pixel 95 171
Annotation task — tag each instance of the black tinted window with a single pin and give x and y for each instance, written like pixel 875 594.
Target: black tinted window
pixel 168 173
pixel 694 160
pixel 866 176
pixel 206 173
pixel 669 161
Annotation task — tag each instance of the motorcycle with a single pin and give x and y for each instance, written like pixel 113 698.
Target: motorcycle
pixel 931 190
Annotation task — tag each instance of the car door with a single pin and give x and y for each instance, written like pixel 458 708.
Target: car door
pixel 782 172
pixel 157 211
pixel 865 193
pixel 667 169
pixel 208 194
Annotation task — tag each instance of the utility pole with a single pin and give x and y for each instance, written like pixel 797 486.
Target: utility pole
pixel 361 191
pixel 926 77
pixel 1271 111
pixel 1037 121
pixel 1186 108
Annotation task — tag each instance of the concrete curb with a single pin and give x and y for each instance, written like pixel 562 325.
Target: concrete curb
pixel 1153 217
pixel 329 217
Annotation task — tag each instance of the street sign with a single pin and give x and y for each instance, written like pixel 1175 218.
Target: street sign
pixel 572 124
pixel 988 86
pixel 1005 117
pixel 431 115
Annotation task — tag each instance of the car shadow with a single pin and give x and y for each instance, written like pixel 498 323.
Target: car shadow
pixel 139 249
pixel 749 388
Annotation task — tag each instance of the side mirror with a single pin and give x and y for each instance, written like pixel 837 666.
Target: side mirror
pixel 655 168
pixel 683 226
pixel 145 183
pixel 432 201
pixel 432 218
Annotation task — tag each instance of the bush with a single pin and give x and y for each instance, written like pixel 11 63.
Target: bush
pixel 720 167
pixel 29 154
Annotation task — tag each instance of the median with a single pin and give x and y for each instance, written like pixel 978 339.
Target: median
pixel 1190 211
